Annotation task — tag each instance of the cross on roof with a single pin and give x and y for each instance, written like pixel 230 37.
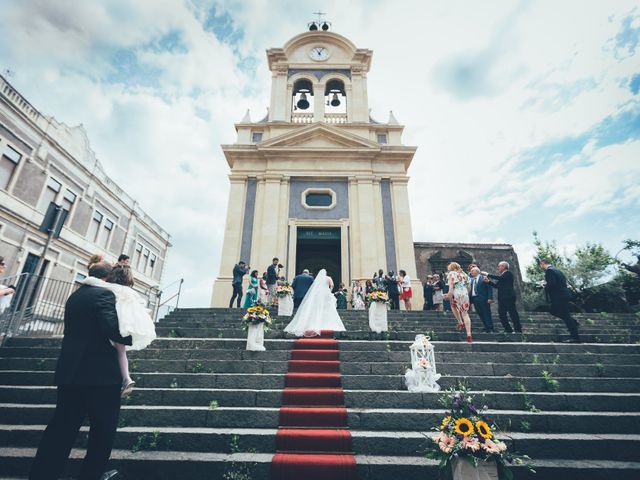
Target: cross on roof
pixel 320 15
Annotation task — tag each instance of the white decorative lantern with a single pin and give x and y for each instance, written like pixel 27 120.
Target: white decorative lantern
pixel 422 376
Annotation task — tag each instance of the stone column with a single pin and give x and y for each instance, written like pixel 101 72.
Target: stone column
pixel 405 254
pixel 318 102
pixel 277 110
pixel 379 226
pixel 266 237
pixel 369 236
pixel 232 240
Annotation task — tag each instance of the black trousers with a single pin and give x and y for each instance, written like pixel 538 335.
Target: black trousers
pixel 237 292
pixel 297 302
pixel 561 310
pixel 483 309
pixel 394 302
pixel 509 306
pixel 75 402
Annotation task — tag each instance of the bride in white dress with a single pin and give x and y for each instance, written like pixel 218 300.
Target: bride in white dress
pixel 317 310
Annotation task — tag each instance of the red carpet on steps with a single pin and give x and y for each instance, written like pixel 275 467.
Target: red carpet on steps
pixel 313 441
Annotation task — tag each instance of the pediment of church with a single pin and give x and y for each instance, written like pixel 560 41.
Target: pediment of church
pixel 318 136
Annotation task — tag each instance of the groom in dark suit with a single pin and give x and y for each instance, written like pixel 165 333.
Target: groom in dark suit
pixel 301 285
pixel 504 281
pixel 89 382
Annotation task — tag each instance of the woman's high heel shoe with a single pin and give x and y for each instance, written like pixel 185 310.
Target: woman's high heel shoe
pixel 469 339
pixel 460 326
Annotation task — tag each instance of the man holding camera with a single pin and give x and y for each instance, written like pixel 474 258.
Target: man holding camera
pixel 273 274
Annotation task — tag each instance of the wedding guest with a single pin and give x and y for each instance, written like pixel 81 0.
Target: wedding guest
pixel 405 285
pixel 124 260
pixel 133 317
pixel 378 280
pixel 481 295
pixel 358 296
pixel 559 296
pixel 427 292
pixel 263 290
pixel 341 297
pixel 273 273
pixel 88 380
pixel 6 291
pixel 458 295
pixel 438 293
pixel 391 284
pixel 95 259
pixel 239 271
pixel 252 290
pixel 470 267
pixel 446 303
pixel 504 281
pixel 301 284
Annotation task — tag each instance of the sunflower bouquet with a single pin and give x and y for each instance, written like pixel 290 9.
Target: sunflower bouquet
pixel 466 433
pixel 378 296
pixel 256 315
pixel 284 290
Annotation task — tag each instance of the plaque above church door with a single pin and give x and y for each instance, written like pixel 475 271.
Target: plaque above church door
pixel 318 248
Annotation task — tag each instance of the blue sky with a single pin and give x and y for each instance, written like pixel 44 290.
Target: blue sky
pixel 526 114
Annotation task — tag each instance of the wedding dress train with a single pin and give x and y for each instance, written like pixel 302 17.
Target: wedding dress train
pixel 317 311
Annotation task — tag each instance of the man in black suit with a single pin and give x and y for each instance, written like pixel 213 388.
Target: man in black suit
pixel 559 296
pixel 506 297
pixel 481 296
pixel 391 283
pixel 427 290
pixel 301 285
pixel 89 382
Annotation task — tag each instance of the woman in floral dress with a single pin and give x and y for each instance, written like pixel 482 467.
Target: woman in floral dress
pixel 459 296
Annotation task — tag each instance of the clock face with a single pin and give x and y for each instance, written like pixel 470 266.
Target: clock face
pixel 319 54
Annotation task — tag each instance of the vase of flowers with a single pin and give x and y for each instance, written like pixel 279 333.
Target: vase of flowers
pixel 467 443
pixel 378 301
pixel 255 321
pixel 284 293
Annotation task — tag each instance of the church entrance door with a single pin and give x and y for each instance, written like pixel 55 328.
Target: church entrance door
pixel 318 248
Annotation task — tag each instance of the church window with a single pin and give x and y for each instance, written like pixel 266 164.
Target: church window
pixel 382 138
pixel 318 199
pixel 8 163
pixel 256 137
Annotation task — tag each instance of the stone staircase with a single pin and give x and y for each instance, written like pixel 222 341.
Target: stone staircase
pixel 205 407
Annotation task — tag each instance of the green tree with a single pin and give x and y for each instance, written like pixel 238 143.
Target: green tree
pixel 587 268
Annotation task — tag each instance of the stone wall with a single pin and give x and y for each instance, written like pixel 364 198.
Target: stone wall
pixel 433 257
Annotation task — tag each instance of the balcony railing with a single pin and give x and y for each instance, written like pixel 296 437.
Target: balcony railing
pixel 302 117
pixel 335 118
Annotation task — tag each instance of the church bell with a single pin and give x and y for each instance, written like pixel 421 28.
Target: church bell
pixel 335 101
pixel 303 103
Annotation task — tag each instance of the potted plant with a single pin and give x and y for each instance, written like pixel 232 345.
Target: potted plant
pixel 255 321
pixel 467 446
pixel 378 301
pixel 284 292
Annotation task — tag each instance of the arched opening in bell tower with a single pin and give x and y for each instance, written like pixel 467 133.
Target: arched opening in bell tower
pixel 303 99
pixel 335 98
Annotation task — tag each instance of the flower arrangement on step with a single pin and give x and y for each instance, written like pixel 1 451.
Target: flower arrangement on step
pixel 256 315
pixel 284 290
pixel 379 296
pixel 467 435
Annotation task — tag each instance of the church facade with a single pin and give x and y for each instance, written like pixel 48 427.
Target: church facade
pixel 318 183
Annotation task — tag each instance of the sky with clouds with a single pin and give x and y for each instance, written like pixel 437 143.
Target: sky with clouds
pixel 526 114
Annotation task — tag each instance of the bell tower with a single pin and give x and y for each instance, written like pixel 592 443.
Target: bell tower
pixel 317 182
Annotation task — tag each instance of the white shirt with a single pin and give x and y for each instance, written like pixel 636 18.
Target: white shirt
pixel 406 282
